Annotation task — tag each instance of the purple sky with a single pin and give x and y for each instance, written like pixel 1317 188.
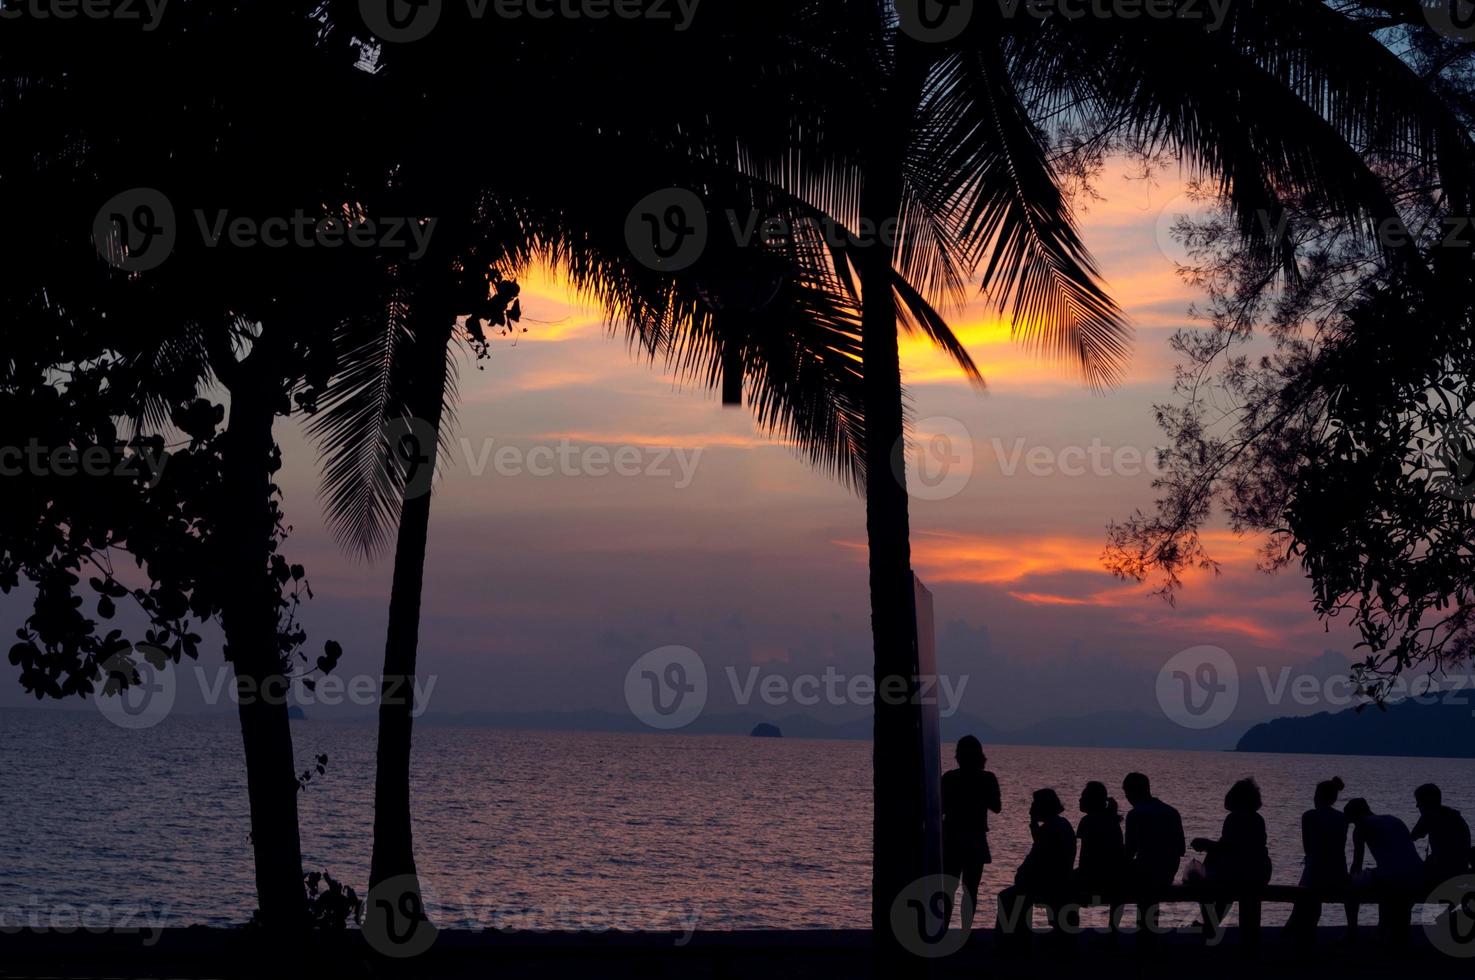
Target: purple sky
pixel 541 590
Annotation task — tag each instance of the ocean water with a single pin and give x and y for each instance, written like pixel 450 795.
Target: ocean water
pixel 551 830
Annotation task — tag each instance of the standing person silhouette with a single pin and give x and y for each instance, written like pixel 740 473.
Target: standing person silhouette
pixel 1324 840
pixel 969 793
pixel 1239 860
pixel 1399 873
pixel 1154 845
pixel 1103 861
pixel 1448 833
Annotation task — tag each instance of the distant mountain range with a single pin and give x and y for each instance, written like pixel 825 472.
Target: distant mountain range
pixel 1106 729
pixel 1445 729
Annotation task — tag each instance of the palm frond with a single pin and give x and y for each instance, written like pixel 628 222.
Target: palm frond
pixel 982 166
pixel 356 423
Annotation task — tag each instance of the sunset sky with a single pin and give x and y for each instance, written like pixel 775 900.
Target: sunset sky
pixel 541 590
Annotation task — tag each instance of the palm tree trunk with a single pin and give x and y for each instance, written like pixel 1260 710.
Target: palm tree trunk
pixel 394 852
pixel 898 849
pixel 249 620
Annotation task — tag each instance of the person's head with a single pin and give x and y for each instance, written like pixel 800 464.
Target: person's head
pixel 1328 790
pixel 970 753
pixel 1357 809
pixel 1243 797
pixel 1046 803
pixel 1095 800
pixel 1428 797
pixel 1137 788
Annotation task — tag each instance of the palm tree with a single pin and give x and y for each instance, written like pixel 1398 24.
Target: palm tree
pixel 945 137
pixel 846 117
pixel 799 354
pixel 397 379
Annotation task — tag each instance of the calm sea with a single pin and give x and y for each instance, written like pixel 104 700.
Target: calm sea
pixel 540 830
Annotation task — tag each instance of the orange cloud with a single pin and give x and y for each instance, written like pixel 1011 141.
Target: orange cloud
pixel 1045 599
pixel 697 440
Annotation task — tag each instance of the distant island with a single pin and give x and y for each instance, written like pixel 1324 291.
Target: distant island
pixel 765 730
pixel 1444 729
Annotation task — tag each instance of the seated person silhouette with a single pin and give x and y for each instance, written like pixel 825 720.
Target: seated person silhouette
pixel 1103 862
pixel 1324 841
pixel 1239 859
pixel 1399 874
pixel 1448 833
pixel 969 792
pixel 1154 845
pixel 1045 875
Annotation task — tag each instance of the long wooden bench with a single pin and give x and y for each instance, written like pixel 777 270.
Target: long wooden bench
pixel 1203 893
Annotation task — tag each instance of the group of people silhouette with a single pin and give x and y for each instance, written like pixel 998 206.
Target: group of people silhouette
pixel 1107 860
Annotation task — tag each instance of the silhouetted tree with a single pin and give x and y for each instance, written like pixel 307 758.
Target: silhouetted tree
pixel 1350 443
pixel 799 341
pixel 944 128
pixel 129 207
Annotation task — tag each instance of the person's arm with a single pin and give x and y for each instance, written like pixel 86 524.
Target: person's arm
pixel 1306 833
pixel 1129 842
pixel 1421 829
pixel 1179 848
pixel 1359 850
pixel 992 798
